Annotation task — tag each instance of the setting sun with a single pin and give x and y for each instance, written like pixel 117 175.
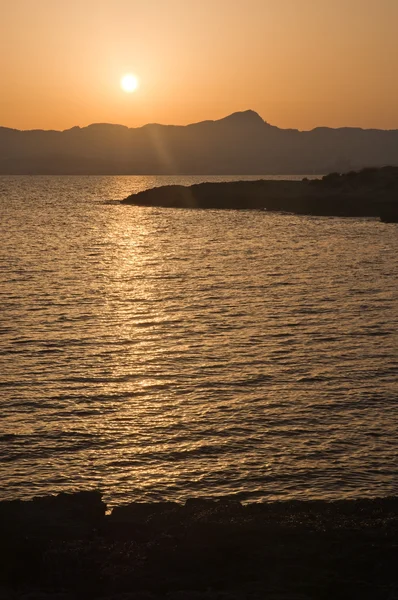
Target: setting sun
pixel 129 83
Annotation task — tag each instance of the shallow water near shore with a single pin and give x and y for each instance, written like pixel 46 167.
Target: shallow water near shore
pixel 164 354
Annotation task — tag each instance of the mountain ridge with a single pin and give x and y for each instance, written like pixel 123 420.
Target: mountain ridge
pixel 241 143
pixel 249 112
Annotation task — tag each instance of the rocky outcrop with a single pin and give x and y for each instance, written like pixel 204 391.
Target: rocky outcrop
pixel 388 212
pixel 58 516
pixel 201 549
pixel 366 193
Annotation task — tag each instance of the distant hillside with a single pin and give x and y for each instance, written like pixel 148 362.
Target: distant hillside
pixel 239 144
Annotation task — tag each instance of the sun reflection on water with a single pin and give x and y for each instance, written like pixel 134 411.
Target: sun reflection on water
pixel 160 354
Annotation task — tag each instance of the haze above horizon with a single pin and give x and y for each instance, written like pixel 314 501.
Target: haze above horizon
pixel 298 64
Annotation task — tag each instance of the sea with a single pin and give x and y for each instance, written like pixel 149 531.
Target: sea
pixel 161 354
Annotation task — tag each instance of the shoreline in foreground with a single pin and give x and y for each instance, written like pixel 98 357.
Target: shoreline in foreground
pixel 204 549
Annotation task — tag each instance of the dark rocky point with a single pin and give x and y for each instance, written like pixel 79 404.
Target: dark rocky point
pixel 368 193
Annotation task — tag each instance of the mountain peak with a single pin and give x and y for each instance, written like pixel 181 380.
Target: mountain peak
pixel 246 117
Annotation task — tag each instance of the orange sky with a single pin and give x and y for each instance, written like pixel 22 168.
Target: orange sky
pixel 299 63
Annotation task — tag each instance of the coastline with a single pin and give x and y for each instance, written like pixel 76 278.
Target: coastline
pixel 368 193
pixel 68 544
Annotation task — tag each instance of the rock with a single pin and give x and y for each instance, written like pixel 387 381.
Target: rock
pixel 138 512
pixel 206 548
pixel 366 193
pixel 61 514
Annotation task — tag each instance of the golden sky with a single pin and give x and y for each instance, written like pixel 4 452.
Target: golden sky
pixel 298 63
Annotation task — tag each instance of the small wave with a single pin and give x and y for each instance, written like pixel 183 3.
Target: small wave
pixel 312 379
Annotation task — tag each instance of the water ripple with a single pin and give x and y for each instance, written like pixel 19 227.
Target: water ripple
pixel 161 354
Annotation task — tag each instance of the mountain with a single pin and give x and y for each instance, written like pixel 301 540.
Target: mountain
pixel 242 143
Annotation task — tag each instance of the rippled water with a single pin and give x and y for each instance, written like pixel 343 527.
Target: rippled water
pixel 161 354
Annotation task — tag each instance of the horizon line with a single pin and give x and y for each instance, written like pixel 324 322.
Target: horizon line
pixel 252 112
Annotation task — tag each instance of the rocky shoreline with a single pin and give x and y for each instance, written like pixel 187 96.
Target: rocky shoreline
pixel 69 546
pixel 367 193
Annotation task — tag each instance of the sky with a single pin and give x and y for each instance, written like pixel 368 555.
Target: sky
pixel 298 63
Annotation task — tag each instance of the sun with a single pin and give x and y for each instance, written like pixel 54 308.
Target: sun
pixel 129 83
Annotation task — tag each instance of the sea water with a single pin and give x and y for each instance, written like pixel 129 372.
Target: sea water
pixel 168 353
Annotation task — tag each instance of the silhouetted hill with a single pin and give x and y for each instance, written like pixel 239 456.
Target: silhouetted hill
pixel 242 143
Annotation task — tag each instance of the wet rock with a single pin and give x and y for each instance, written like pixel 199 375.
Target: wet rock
pixel 222 509
pixel 81 509
pixel 138 512
pixel 204 549
pixel 200 504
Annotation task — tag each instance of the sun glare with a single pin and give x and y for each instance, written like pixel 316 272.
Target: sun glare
pixel 129 83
